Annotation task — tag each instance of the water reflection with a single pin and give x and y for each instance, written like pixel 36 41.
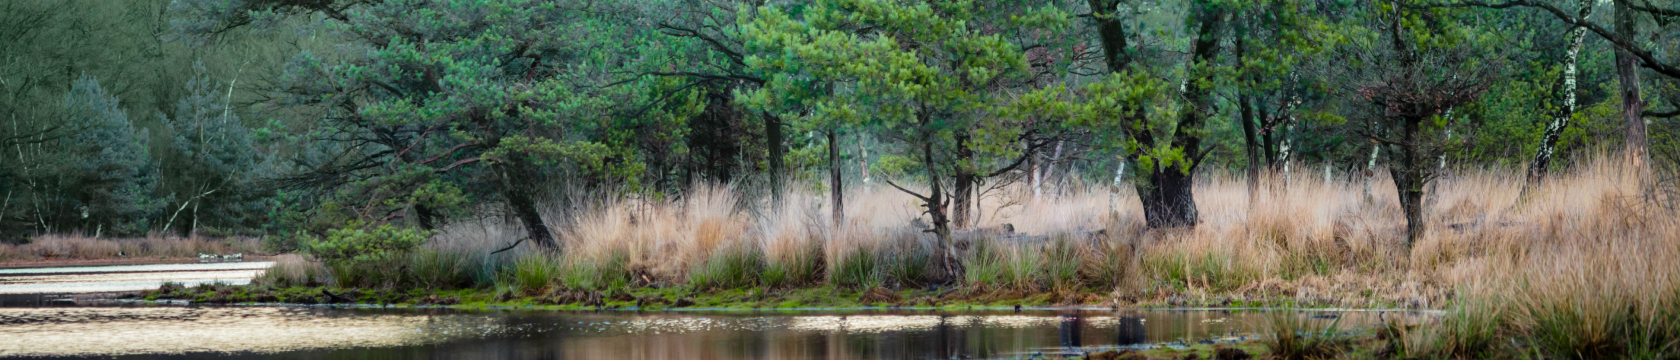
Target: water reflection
pixel 1129 330
pixel 314 332
pixel 1068 330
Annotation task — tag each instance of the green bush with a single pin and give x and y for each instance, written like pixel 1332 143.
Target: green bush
pixel 355 243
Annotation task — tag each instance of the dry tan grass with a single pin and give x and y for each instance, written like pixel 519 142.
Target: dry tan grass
pixel 77 247
pixel 293 270
pixel 1310 240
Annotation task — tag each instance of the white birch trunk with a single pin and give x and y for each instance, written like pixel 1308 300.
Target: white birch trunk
pixel 1326 172
pixel 1283 154
pixel 1371 172
pixel 1114 191
pixel 1566 101
pixel 1044 172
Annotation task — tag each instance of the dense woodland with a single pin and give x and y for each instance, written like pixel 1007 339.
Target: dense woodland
pixel 303 119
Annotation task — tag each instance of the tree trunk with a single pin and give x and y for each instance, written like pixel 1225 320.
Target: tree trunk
pixel 1251 142
pixel 1114 191
pixel 426 216
pixel 1627 72
pixel 515 187
pixel 1283 154
pixel 836 188
pixel 1251 137
pixel 1112 33
pixel 1167 199
pixel 1045 170
pixel 936 210
pixel 1408 176
pixel 1371 172
pixel 1565 98
pixel 773 141
pixel 1327 172
pixel 963 190
pixel 863 159
pixel 1268 136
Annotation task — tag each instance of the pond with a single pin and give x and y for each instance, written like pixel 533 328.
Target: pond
pixel 311 332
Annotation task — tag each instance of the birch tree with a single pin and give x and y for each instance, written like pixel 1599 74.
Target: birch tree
pixel 1563 99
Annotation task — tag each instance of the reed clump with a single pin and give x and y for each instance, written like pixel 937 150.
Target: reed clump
pixel 292 270
pixel 1290 335
pixel 1585 263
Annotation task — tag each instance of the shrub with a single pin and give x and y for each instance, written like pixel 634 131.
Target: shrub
pixel 359 244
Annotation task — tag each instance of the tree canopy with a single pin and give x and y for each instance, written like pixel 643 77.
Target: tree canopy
pixel 304 119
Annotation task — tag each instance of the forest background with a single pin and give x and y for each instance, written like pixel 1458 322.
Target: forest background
pixel 310 123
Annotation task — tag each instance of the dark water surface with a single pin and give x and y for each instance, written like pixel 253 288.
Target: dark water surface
pixel 368 333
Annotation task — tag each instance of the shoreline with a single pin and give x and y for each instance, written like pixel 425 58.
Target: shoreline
pixel 679 299
pixel 32 264
pixel 115 301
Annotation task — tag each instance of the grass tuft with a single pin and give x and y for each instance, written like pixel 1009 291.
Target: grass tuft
pixel 859 269
pixel 1292 336
pixel 730 267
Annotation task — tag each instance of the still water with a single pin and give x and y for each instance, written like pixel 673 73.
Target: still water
pixel 92 279
pixel 370 333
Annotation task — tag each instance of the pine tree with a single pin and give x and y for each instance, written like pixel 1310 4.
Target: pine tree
pixel 112 166
pixel 213 158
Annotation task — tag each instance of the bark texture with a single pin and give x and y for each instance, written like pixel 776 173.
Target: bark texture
pixel 1565 102
pixel 962 192
pixel 837 188
pixel 1627 72
pixel 517 188
pixel 773 141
